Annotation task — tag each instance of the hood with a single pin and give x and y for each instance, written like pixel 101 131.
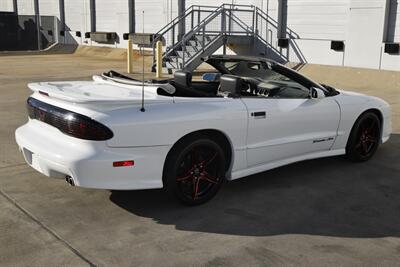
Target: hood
pixel 349 97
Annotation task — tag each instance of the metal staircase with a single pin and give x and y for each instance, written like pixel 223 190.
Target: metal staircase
pixel 202 30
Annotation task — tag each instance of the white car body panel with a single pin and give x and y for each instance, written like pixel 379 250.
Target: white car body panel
pixel 289 132
pixel 290 128
pixel 352 105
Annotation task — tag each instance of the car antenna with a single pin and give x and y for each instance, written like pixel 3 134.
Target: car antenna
pixel 142 48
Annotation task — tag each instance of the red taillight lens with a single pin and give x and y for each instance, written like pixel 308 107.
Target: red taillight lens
pixel 125 163
pixel 68 122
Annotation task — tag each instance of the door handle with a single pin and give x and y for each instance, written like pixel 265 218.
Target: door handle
pixel 259 114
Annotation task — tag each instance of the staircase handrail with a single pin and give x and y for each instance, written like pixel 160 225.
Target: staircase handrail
pixel 269 19
pixel 190 9
pixel 202 24
pixel 242 24
pixel 195 30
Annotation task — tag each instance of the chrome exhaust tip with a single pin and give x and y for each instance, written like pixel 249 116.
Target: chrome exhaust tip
pixel 69 180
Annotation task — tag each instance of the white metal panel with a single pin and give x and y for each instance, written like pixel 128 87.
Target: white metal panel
pixel 155 15
pixel 207 2
pixel 172 9
pixel 318 19
pixel 77 15
pixel 49 8
pixel 364 38
pixel 26 7
pixel 112 16
pixel 366 3
pixel 314 51
pixel 6 5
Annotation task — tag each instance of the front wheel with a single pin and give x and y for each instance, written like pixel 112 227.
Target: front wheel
pixel 195 170
pixel 364 138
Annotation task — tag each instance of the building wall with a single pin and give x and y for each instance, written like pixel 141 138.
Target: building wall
pixel 6 5
pixel 364 25
pixel 26 7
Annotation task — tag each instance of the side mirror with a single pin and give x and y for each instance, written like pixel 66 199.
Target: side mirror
pixel 211 77
pixel 316 93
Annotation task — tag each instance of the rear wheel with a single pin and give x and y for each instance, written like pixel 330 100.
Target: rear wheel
pixel 195 170
pixel 364 137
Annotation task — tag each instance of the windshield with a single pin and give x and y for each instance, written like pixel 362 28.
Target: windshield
pixel 266 72
pixel 259 70
pixel 267 78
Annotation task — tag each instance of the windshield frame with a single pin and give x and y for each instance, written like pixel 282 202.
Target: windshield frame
pixel 216 62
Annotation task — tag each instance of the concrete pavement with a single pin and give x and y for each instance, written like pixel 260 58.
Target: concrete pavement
pixel 326 212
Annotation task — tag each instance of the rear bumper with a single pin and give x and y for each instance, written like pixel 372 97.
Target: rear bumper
pixel 89 163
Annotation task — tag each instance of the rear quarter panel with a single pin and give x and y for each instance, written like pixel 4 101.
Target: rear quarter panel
pixel 165 124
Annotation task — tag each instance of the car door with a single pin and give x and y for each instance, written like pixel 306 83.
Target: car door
pixel 285 128
pixel 283 121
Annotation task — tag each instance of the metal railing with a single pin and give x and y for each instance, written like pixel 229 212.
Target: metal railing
pixel 216 21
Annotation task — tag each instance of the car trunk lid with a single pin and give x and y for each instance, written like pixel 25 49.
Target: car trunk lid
pixel 99 92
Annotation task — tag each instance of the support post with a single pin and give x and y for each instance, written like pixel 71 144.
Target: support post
pixel 181 24
pixel 159 59
pixel 132 16
pixel 37 22
pixel 223 21
pixel 282 18
pixel 15 7
pixel 62 19
pixel 129 56
pixel 92 15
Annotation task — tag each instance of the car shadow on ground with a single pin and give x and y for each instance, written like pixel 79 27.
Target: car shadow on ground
pixel 330 197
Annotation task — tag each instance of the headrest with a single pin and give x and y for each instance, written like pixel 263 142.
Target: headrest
pixel 230 85
pixel 183 78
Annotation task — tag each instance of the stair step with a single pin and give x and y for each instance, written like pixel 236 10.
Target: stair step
pixel 194 43
pixel 168 70
pixel 179 53
pixel 188 54
pixel 175 59
pixel 190 48
pixel 208 38
pixel 171 65
pixel 200 38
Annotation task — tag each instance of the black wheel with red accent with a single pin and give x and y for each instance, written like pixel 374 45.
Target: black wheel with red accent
pixel 195 170
pixel 364 137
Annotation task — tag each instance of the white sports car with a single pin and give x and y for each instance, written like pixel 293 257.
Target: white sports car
pixel 249 116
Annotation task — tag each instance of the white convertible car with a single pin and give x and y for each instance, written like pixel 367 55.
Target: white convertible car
pixel 249 116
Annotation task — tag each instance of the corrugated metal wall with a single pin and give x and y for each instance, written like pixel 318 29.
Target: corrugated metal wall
pixel 156 14
pixel 318 19
pixel 112 16
pixel 314 23
pixel 77 16
pixel 6 5
pixel 49 8
pixel 26 7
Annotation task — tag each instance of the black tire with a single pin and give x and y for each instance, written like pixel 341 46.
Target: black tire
pixel 194 170
pixel 364 138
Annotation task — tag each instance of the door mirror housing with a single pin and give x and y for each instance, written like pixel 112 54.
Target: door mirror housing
pixel 211 77
pixel 316 93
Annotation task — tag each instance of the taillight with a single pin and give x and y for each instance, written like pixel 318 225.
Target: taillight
pixel 68 122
